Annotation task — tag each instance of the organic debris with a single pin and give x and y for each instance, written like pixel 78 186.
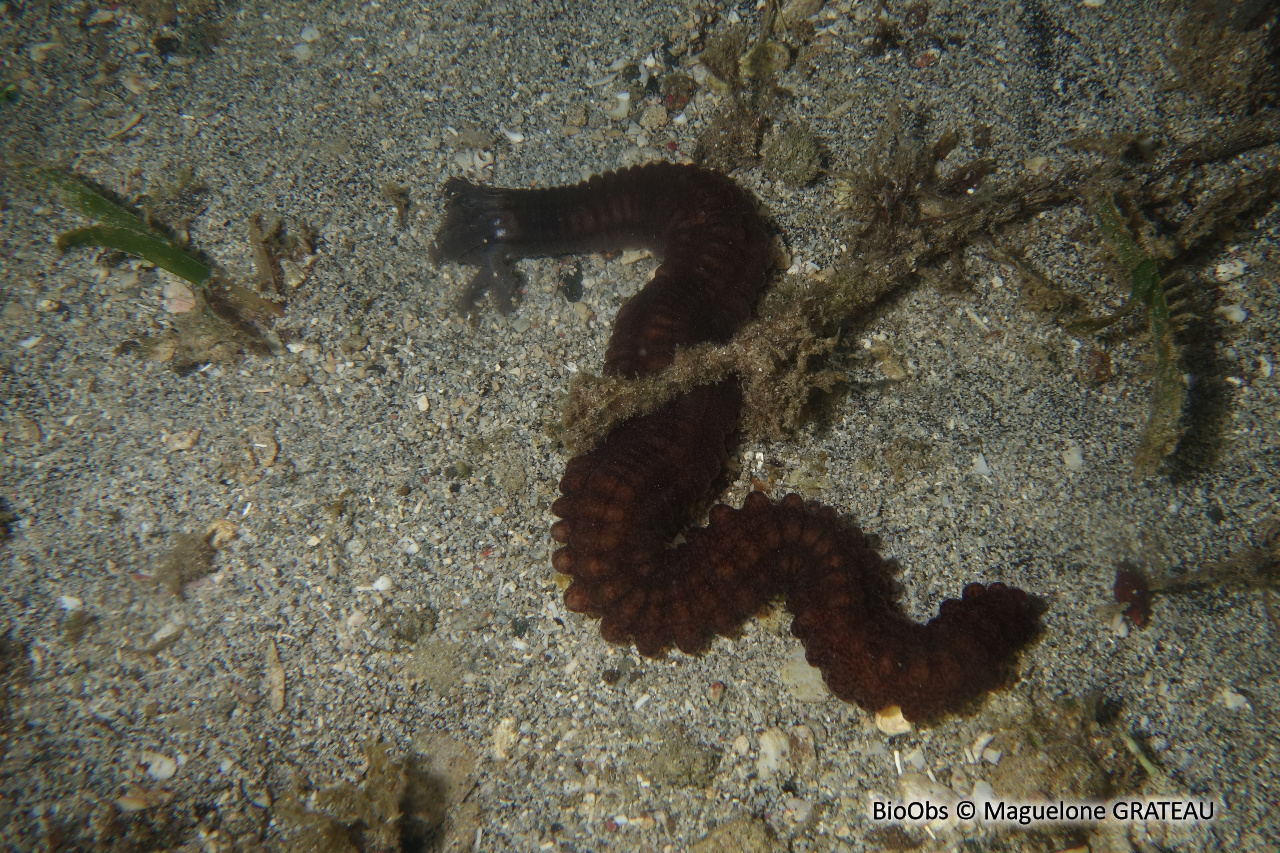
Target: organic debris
pixel 793 156
pixel 183 27
pixel 191 558
pixel 682 760
pixel 732 138
pixel 1070 748
pixel 399 197
pixel 118 228
pixel 1254 566
pixel 909 219
pixel 1169 390
pixel 1228 59
pixel 281 258
pixel 776 355
pixel 1132 589
pixel 219 320
pixel 401 805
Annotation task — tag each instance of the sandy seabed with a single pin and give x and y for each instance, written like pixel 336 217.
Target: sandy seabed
pixel 375 655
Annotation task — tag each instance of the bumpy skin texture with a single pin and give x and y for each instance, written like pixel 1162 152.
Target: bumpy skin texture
pixel 625 501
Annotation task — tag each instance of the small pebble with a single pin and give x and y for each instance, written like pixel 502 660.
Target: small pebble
pixel 302 52
pixel 310 34
pixel 653 117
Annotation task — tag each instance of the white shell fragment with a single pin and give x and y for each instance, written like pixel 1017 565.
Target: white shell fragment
pixel 804 681
pixel 382 584
pixel 310 34
pixel 1231 313
pixel 1233 700
pixel 974 753
pixel 619 110
pixel 980 466
pixel 775 753
pixel 408 545
pixel 1230 270
pixel 1073 457
pixel 178 297
pixel 159 767
pixel 70 603
pixel 164 637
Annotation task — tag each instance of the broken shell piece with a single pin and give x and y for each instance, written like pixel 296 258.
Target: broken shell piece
pixel 775 753
pixel 1230 270
pixel 979 744
pixel 129 124
pixel 178 298
pixel 1233 700
pixel 275 678
pixel 804 681
pixel 159 767
pixel 128 804
pixel 164 637
pixel 184 440
pixel 220 533
pixel 619 110
pixel 293 274
pixel 1232 313
pixel 891 722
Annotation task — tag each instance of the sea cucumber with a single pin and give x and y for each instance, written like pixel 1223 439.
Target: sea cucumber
pixel 624 502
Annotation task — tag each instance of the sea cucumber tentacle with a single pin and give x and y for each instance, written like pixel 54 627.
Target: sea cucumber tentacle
pixel 623 503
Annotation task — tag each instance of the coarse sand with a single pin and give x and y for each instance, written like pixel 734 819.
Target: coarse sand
pixel 304 601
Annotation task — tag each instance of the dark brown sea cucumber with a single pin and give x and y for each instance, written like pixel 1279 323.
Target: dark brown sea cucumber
pixel 623 503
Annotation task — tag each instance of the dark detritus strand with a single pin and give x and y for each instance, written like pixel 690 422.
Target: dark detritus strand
pixel 625 501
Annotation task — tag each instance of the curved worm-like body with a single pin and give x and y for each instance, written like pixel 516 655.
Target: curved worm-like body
pixel 623 503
